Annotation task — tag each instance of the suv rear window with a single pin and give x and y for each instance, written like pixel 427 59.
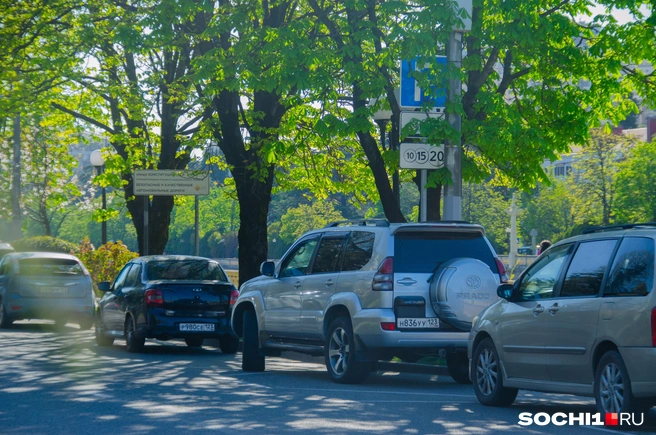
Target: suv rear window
pixel 424 252
pixel 49 267
pixel 359 249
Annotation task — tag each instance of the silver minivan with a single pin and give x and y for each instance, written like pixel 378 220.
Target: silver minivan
pixel 45 285
pixel 580 320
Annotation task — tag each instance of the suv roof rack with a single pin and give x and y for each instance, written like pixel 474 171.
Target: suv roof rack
pixel 618 227
pixel 360 222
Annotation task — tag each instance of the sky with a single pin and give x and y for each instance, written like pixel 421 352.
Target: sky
pixel 621 15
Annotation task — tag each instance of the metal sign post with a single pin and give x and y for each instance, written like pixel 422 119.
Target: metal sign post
pixel 453 191
pixel 145 225
pixel 196 238
pixel 423 201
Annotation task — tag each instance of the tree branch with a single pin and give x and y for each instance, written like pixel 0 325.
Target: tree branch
pixel 83 117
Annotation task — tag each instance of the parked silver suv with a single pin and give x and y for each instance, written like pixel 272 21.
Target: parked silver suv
pixel 362 291
pixel 580 320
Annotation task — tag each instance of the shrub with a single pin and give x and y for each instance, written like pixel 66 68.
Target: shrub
pixel 45 243
pixel 105 262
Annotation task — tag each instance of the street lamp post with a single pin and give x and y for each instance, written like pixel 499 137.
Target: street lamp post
pixel 98 162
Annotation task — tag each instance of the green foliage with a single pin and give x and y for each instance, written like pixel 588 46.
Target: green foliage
pixel 45 244
pixel 106 262
pixel 636 185
pixel 486 205
pixel 304 218
pixel 549 210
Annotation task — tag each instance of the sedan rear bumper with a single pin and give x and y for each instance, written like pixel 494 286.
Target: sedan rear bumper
pixel 163 327
pixel 73 309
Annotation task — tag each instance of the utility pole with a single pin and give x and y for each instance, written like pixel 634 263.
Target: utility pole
pixel 16 181
pixel 453 150
pixel 512 257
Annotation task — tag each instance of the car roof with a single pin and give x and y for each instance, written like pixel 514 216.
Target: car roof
pixel 378 225
pixel 149 258
pixel 609 232
pixel 4 245
pixel 22 255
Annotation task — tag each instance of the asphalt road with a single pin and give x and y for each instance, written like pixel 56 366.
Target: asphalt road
pixel 57 381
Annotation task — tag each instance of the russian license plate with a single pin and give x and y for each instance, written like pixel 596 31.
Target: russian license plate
pixel 58 290
pixel 197 327
pixel 423 323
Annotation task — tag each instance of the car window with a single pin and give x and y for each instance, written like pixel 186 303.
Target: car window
pixel 120 279
pixel 4 267
pixel 185 270
pixel 298 261
pixel 424 252
pixel 359 248
pixel 587 269
pixel 134 276
pixel 632 273
pixel 328 255
pixel 539 280
pixel 49 267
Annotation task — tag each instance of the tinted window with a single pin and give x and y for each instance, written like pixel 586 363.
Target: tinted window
pixel 120 279
pixel 539 280
pixel 632 272
pixel 134 276
pixel 185 270
pixel 586 271
pixel 328 255
pixel 298 261
pixel 49 267
pixel 424 252
pixel 359 248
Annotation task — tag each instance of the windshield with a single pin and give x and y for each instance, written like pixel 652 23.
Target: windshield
pixel 49 267
pixel 185 270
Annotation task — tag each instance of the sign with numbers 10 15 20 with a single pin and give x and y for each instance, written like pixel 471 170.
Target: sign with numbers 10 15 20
pixel 421 156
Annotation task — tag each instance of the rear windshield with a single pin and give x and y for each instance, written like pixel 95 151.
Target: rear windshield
pixel 49 267
pixel 186 270
pixel 425 252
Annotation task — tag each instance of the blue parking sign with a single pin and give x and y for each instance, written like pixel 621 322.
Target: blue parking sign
pixel 412 96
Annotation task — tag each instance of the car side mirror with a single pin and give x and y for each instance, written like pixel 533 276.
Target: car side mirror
pixel 505 291
pixel 104 286
pixel 268 268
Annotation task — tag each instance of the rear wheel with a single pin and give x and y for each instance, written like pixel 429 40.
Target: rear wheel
pixel 458 366
pixel 229 344
pixel 487 377
pixel 133 344
pixel 342 366
pixel 612 386
pixel 4 318
pixel 194 341
pixel 251 360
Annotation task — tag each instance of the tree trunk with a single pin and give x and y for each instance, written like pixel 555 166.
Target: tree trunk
pixel 434 199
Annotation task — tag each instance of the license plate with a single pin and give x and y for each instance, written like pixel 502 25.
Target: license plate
pixel 423 323
pixel 58 290
pixel 197 327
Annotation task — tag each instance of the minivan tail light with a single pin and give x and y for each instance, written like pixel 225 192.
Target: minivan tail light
pixel 503 276
pixel 384 277
pixel 653 327
pixel 234 294
pixel 154 297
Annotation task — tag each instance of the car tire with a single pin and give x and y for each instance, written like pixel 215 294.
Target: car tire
pixel 458 366
pixel 194 341
pixel 487 377
pixel 133 344
pixel 102 339
pixel 5 322
pixel 252 360
pixel 612 387
pixel 229 344
pixel 341 364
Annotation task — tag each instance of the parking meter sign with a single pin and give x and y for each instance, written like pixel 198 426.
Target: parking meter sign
pixel 421 156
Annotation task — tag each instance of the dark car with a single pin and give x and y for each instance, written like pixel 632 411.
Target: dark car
pixel 167 297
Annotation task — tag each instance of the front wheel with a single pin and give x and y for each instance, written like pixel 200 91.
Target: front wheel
pixel 612 386
pixel 229 344
pixel 252 360
pixel 487 377
pixel 458 366
pixel 4 318
pixel 342 366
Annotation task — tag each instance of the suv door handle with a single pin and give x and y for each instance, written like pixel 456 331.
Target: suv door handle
pixel 407 281
pixel 554 308
pixel 297 284
pixel 538 309
pixel 329 283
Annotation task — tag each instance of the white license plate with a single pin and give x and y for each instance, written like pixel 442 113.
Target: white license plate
pixel 54 289
pixel 197 327
pixel 431 322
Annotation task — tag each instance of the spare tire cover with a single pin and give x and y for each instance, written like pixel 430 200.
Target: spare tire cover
pixel 460 289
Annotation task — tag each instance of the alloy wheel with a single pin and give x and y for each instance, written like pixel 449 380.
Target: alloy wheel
pixel 339 351
pixel 487 372
pixel 612 388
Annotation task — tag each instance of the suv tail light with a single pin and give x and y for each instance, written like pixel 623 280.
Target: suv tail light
pixel 502 270
pixel 384 278
pixel 154 297
pixel 234 294
pixel 653 327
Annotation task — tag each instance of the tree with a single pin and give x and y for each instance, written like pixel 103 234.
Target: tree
pixel 549 210
pixel 304 218
pixel 486 205
pixel 636 185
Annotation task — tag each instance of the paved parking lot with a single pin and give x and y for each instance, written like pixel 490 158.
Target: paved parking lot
pixel 57 381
